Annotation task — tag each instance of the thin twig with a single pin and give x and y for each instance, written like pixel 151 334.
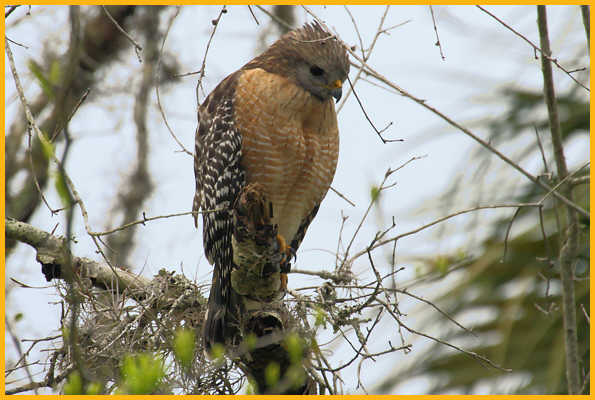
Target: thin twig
pixel 471 354
pixel 351 203
pixel 540 145
pixel 17 43
pixel 376 75
pixel 437 37
pixel 536 48
pixel 17 344
pixel 137 47
pixel 158 72
pixel 507 234
pixel 253 16
pixel 215 23
pixel 33 174
pixel 378 132
pixel 140 221
pixel 440 220
pixel 365 54
pixel 568 177
pixel 379 77
pixel 73 191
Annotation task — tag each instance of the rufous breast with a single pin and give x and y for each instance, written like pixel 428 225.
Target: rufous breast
pixel 290 144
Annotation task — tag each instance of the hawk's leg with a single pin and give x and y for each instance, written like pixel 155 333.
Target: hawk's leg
pixel 260 254
pixel 288 253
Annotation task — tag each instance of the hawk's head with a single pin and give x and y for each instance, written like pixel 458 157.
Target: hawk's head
pixel 311 57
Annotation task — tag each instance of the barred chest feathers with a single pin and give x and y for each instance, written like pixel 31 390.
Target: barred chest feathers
pixel 295 161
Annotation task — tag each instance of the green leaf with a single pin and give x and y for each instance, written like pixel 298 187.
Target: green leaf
pixel 46 146
pixel 321 318
pixel 44 83
pixel 184 346
pixel 18 317
pixel 250 341
pixel 74 384
pixel 217 352
pixel 94 388
pixel 142 373
pixel 55 73
pixel 295 348
pixel 441 263
pixel 250 387
pixel 272 372
pixel 62 189
pixel 374 193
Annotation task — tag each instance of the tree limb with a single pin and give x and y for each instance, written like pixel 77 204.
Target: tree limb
pixel 569 228
pixel 51 255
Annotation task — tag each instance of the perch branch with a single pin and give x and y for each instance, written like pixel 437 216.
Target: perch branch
pixel 51 255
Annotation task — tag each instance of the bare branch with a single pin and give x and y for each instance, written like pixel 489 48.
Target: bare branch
pixel 546 54
pixel 202 70
pixel 50 253
pixel 436 30
pixel 17 344
pixel 137 47
pixel 439 220
pixel 568 231
pixel 341 195
pixel 161 110
pixel 481 141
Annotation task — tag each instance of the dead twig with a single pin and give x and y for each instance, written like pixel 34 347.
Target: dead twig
pixel 437 37
pixel 536 48
pixel 158 71
pixel 137 47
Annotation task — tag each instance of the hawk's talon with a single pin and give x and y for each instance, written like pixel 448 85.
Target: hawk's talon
pixel 287 251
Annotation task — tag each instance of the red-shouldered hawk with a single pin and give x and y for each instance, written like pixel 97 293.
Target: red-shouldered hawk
pixel 271 123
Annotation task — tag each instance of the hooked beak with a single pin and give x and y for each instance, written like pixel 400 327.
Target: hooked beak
pixel 336 90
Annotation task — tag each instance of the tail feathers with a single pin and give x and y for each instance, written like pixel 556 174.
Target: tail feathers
pixel 221 322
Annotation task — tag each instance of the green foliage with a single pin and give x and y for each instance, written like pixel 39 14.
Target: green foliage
pixel 251 387
pixel 44 83
pixel 141 374
pixel 250 341
pixel 374 193
pixel 320 317
pixel 184 347
pixel 55 74
pixel 516 300
pixel 74 384
pixel 94 388
pixel 217 352
pixel 527 324
pixel 62 189
pixel 296 376
pixel 272 372
pixel 294 345
pixel 47 146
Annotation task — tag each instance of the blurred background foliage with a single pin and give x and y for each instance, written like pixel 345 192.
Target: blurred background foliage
pixel 512 295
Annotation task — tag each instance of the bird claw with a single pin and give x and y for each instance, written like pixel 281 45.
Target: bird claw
pixel 288 253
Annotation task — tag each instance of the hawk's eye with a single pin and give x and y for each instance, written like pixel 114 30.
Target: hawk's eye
pixel 316 70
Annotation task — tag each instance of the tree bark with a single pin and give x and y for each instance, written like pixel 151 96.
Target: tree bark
pixel 569 227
